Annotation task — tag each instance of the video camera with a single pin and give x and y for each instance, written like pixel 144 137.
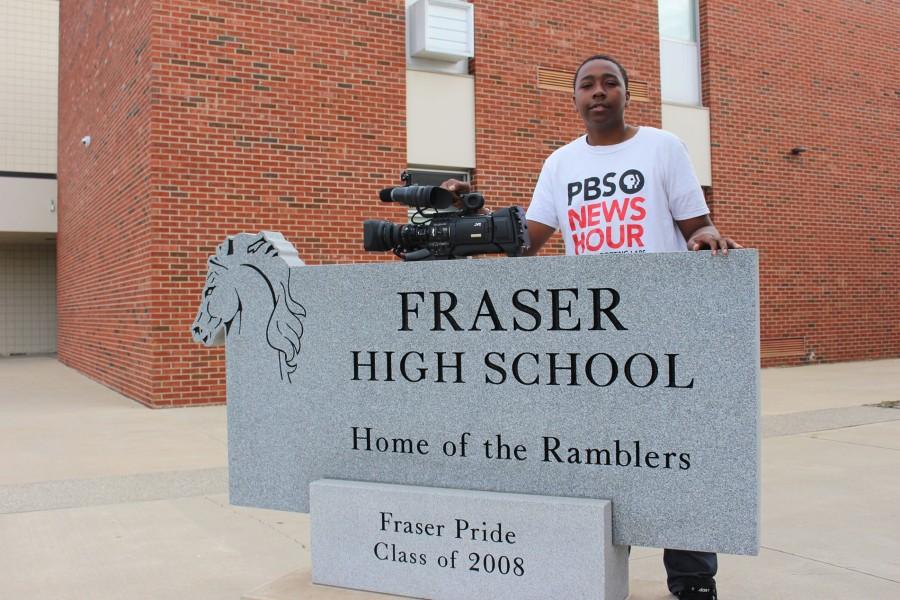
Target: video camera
pixel 445 235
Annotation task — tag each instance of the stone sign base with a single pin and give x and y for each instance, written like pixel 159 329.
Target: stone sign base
pixel 462 544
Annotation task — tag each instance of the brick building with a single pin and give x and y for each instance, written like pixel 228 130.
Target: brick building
pixel 211 118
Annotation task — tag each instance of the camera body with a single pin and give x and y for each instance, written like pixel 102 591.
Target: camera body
pixel 445 235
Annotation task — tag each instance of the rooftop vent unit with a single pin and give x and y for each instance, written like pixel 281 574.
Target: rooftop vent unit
pixel 442 30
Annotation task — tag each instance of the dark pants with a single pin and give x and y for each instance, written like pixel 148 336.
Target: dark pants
pixel 688 563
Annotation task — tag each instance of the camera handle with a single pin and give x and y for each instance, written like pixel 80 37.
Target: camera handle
pixel 421 254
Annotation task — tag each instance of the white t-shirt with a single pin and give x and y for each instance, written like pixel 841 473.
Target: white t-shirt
pixel 620 198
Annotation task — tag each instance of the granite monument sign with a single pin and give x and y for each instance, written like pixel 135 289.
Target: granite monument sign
pixel 629 378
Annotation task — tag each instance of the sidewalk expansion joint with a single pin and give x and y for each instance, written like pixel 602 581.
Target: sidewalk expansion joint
pixel 830 564
pixel 814 421
pixel 140 487
pixel 849 443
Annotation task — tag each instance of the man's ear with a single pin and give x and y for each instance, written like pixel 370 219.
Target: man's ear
pixel 627 98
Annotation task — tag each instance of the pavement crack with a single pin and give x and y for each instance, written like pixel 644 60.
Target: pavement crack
pixel 830 564
pixel 825 439
pixel 236 511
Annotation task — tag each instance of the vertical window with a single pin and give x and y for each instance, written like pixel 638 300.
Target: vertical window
pixel 679 52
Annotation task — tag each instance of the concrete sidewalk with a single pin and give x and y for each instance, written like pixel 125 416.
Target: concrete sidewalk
pixel 101 498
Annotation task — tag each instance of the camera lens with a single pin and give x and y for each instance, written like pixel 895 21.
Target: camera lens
pixel 379 236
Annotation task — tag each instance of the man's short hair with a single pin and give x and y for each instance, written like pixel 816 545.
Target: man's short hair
pixel 601 57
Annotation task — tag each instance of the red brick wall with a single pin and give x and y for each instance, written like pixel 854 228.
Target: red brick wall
pixel 286 116
pixel 823 75
pixel 280 115
pixel 104 246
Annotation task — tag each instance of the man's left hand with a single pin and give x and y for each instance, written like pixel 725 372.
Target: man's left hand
pixel 700 234
pixel 712 240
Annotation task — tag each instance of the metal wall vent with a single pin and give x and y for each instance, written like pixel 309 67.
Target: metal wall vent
pixel 783 348
pixel 640 91
pixel 561 81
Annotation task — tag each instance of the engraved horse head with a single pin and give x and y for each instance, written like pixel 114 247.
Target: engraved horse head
pixel 267 258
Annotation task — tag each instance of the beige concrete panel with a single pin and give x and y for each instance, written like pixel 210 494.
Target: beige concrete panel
pixel 29 49
pixel 28 204
pixel 691 124
pixel 440 119
pixel 834 502
pixel 197 548
pixel 815 387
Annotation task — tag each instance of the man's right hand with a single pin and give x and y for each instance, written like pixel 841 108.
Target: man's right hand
pixel 456 186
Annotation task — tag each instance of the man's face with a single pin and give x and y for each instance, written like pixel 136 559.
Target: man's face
pixel 600 96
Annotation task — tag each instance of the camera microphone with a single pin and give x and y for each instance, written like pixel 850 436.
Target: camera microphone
pixel 418 196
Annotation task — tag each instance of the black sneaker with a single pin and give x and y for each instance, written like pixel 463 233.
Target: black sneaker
pixel 698 588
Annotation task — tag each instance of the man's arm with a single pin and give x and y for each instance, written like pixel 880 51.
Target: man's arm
pixel 538 234
pixel 700 233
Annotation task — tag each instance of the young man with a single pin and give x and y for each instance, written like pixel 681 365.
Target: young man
pixel 624 188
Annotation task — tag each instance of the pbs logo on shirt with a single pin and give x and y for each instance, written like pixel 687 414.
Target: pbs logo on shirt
pixel 593 188
pixel 631 181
